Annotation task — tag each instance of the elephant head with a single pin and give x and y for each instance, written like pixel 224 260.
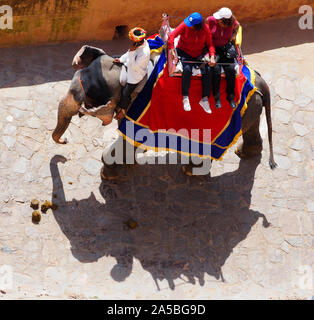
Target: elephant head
pixel 78 100
pixel 85 56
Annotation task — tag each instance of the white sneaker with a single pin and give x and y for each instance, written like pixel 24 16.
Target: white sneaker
pixel 205 105
pixel 186 104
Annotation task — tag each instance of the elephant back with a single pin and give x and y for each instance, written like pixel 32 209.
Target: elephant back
pixel 94 83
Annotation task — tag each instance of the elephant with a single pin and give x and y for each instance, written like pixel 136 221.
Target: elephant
pixel 91 59
pixel 75 99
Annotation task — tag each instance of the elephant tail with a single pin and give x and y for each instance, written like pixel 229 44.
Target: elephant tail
pixel 267 104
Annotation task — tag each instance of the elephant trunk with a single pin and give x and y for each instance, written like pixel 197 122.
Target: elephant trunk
pixel 68 107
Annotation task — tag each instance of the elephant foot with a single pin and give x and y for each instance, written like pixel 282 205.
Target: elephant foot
pixel 249 151
pixel 110 172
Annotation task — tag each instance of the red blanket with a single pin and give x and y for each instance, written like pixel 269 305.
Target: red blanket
pixel 166 108
pixel 159 108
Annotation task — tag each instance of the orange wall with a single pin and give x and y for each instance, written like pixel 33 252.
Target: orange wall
pixel 42 21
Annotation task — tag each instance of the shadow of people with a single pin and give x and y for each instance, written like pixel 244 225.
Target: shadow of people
pixel 184 225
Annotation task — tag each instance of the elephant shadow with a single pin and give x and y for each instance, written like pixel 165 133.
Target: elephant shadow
pixel 174 225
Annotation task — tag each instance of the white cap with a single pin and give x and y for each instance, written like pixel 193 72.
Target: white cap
pixel 223 13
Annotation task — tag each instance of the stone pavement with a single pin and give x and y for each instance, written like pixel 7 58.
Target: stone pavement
pixel 246 232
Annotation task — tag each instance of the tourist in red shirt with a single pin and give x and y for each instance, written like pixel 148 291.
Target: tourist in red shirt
pixel 224 27
pixel 194 43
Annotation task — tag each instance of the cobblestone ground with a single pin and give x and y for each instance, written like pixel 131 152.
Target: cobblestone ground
pixel 246 232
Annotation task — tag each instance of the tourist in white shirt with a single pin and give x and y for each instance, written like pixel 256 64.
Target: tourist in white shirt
pixel 136 61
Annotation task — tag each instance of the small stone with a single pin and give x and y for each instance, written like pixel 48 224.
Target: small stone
pixel 273 235
pixel 44 171
pixel 23 151
pixel 283 162
pixel 30 176
pixel 290 222
pixel 34 204
pixel 31 232
pixel 6 249
pixel 97 154
pixel 21 91
pixel 5 197
pixel 29 143
pixel 302 101
pixel 282 116
pixel 310 205
pixel 306 86
pixel 33 123
pixel 10 130
pixel 37 160
pixel 131 224
pixel 97 142
pixel 306 224
pixel 21 165
pixel 41 112
pixel 9 118
pixel 285 88
pixel 22 105
pixel 276 257
pixel 80 153
pixel 7 158
pixel 284 104
pixel 285 247
pixel 9 141
pixel 33 134
pixel 49 123
pixel 76 121
pixel 92 166
pixel 295 155
pixel 36 217
pixel 295 241
pixel 295 171
pixel 301 130
pixel 299 117
pixel 280 150
pixel 86 180
pixel 19 114
pixel 31 246
pixel 297 144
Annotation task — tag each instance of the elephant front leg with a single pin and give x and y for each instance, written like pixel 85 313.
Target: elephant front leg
pixel 252 144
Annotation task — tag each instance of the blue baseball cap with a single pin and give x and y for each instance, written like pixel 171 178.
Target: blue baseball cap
pixel 193 19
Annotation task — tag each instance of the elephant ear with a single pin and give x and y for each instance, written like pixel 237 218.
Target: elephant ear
pixel 85 56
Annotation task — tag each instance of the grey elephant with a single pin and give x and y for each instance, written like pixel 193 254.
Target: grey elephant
pixel 89 59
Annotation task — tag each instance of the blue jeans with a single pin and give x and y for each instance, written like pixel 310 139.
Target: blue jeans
pixel 229 72
pixel 206 72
